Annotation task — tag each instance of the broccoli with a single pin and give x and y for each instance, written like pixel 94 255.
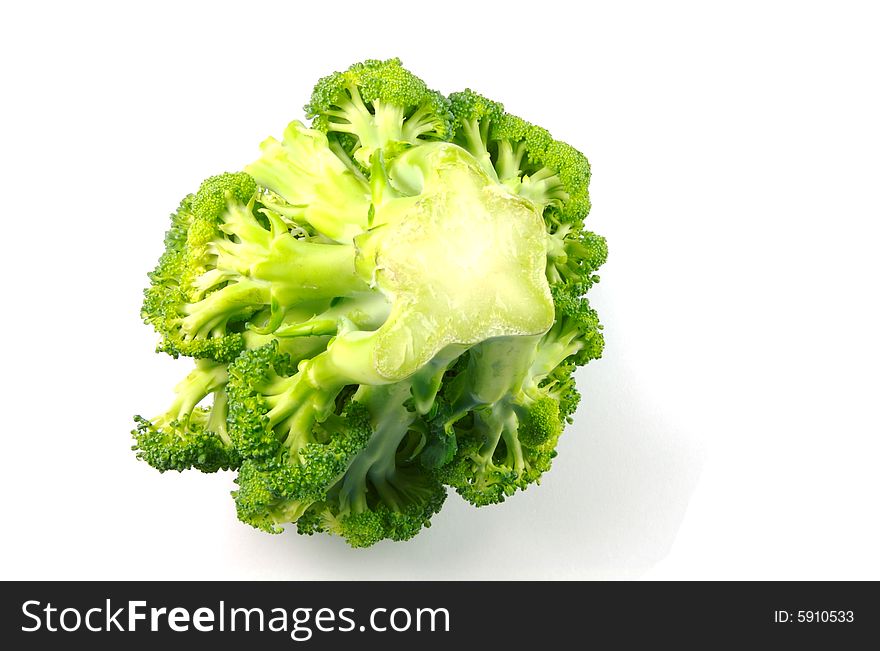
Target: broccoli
pixel 523 157
pixel 383 493
pixel 375 104
pixel 188 436
pixel 385 304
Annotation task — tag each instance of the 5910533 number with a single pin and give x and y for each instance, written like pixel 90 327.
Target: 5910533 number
pixel 825 616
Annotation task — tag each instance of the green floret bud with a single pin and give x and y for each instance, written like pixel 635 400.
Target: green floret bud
pixel 255 503
pixel 576 334
pixel 171 263
pixel 561 384
pixel 362 529
pixel 167 302
pixel 475 475
pixel 178 447
pixel 365 528
pixel 168 293
pixel 219 348
pixel 523 157
pixel 573 257
pixel 209 203
pixel 473 115
pixel 509 446
pixel 539 422
pixel 377 103
pixel 248 426
pixel 573 171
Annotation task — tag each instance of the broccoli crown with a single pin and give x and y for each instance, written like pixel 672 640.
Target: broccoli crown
pixel 385 304
pixel 377 103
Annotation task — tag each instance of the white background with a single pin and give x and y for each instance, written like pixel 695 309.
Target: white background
pixel 731 430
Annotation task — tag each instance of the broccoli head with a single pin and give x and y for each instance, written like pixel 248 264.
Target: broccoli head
pixel 385 304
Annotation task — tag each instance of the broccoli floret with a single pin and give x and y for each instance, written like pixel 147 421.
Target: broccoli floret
pixel 508 446
pixel 166 296
pixel 517 413
pixel 523 157
pixel 374 104
pixel 188 436
pixel 574 256
pixel 273 406
pixel 278 490
pixel 561 383
pixel 383 305
pixel 228 262
pixel 521 392
pixel 384 493
pixel 576 335
pixel 210 202
pixel 501 422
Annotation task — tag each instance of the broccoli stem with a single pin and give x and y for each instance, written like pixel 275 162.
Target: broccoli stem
pixel 422 121
pixel 217 419
pixel 385 123
pixel 352 116
pixel 508 420
pixel 476 134
pixel 509 160
pixel 297 403
pixel 496 367
pixel 312 327
pixel 318 186
pixel 494 424
pixel 388 121
pixel 557 255
pixel 542 188
pixel 195 387
pixel 219 307
pixel 291 272
pixel 365 312
pixel 374 129
pixel 489 427
pixel 340 152
pixel 378 461
pixel 302 271
pixel 562 341
pixel 427 380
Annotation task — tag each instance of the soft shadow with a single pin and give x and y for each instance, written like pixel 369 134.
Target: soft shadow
pixel 610 508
